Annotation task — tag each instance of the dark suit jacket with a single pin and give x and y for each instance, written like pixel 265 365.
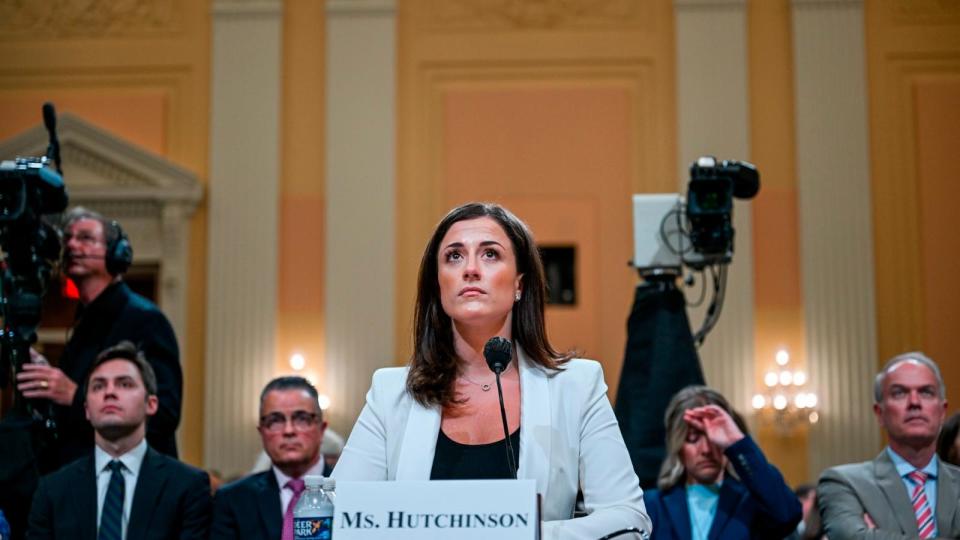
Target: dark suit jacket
pixel 847 492
pixel 758 505
pixel 119 314
pixel 171 501
pixel 249 509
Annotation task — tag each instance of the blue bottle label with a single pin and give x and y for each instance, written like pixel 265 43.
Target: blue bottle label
pixel 315 528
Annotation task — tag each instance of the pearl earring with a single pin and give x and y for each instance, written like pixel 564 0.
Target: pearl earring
pixel 517 297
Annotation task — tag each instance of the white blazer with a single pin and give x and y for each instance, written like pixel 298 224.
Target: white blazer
pixel 569 438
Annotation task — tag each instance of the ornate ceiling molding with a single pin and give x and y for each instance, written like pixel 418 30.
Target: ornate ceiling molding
pixel 87 18
pixel 913 12
pixel 460 15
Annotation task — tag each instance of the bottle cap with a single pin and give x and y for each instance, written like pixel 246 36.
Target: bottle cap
pixel 329 484
pixel 313 481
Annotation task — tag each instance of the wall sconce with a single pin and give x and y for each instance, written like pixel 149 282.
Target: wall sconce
pixel 785 401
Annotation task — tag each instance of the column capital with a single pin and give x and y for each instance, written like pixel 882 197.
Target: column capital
pixel 361 7
pixel 247 8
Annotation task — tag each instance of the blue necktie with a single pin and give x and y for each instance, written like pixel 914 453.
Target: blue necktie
pixel 112 515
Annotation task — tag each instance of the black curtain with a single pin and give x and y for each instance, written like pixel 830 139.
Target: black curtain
pixel 659 360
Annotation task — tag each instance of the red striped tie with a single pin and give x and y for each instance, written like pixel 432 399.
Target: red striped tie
pixel 921 506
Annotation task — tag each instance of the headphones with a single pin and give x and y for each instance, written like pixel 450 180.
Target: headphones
pixel 119 254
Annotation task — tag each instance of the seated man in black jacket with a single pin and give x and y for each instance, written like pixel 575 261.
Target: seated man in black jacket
pixel 96 254
pixel 123 489
pixel 261 506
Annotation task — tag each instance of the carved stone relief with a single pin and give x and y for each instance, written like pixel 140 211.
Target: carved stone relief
pixel 466 15
pixel 32 19
pixel 911 12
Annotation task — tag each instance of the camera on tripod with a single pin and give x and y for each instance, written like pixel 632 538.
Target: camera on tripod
pixel 670 231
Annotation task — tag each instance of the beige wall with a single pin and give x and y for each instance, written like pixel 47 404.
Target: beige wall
pixel 359 217
pixel 300 267
pixel 913 55
pixel 778 294
pixel 558 113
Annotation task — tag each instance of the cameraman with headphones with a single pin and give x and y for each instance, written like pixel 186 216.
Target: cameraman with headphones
pixel 95 256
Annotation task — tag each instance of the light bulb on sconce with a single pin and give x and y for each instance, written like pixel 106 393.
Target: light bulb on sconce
pixel 779 402
pixel 324 401
pixel 297 361
pixel 782 357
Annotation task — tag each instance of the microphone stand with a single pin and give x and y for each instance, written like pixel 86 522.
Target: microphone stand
pixel 498 352
pixel 506 430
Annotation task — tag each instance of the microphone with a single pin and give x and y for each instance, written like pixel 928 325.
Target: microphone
pixel 50 122
pixel 49 116
pixel 498 352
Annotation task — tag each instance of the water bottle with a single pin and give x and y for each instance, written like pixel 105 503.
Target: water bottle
pixel 313 515
pixel 330 490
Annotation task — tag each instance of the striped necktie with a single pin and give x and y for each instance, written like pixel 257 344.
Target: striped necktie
pixel 921 506
pixel 111 517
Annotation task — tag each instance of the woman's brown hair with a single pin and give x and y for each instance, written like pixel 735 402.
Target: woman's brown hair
pixel 434 366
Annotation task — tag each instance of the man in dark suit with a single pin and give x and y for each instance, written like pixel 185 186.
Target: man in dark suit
pixel 291 427
pixel 96 255
pixel 123 490
pixel 906 491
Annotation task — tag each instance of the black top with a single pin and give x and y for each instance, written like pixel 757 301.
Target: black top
pixel 455 461
pixel 118 314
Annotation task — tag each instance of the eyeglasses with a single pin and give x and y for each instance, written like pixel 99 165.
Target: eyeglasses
pixel 276 422
pixel 83 237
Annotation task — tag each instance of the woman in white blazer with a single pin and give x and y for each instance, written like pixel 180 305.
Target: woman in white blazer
pixel 481 277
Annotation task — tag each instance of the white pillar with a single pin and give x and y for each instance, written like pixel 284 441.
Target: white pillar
pixel 360 200
pixel 242 242
pixel 712 86
pixel 833 172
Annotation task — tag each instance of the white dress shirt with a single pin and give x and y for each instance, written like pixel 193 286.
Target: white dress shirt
pixel 286 494
pixel 131 461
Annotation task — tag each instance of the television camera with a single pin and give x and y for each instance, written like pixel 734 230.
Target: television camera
pixel 671 232
pixel 31 191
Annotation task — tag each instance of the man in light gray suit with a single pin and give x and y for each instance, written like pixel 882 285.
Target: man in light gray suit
pixel 906 492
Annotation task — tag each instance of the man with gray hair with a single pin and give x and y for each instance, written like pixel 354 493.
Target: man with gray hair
pixel 96 254
pixel 906 491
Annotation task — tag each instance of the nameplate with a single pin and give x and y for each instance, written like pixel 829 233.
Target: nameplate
pixel 443 509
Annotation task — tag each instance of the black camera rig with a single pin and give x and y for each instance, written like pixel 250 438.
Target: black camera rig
pixel 30 192
pixel 696 232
